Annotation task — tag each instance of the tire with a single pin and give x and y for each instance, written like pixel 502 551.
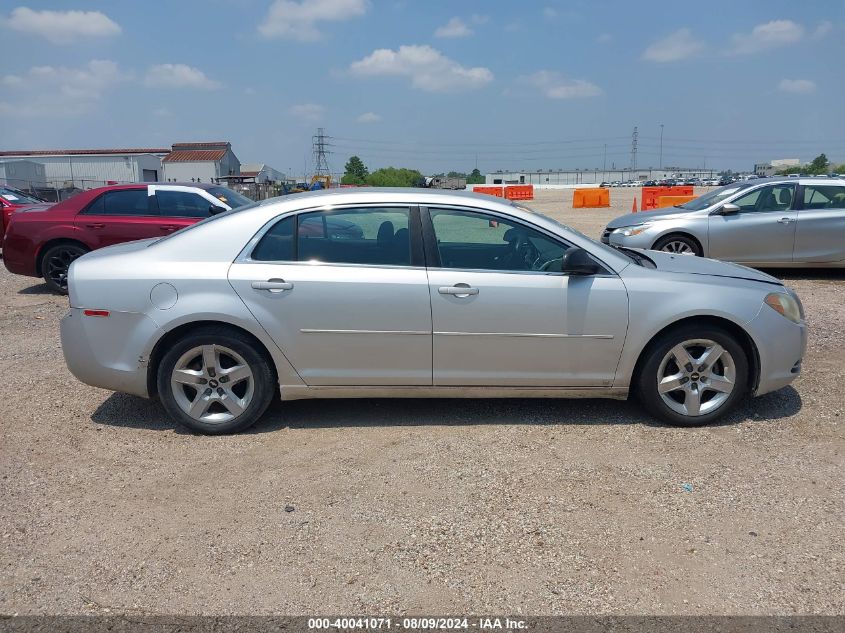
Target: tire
pixel 678 245
pixel 676 401
pixel 55 263
pixel 216 381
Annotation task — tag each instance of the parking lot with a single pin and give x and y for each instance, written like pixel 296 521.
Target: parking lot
pixel 420 506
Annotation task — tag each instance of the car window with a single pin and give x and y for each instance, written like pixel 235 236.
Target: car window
pixel 277 243
pixel 125 202
pixel 771 198
pixel 824 197
pixel 478 241
pixel 355 236
pixel 183 204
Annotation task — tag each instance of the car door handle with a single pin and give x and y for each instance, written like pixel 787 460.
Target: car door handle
pixel 168 227
pixel 97 225
pixel 458 290
pixel 273 285
pixel 786 220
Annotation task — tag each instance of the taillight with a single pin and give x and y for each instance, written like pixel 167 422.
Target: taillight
pixel 96 313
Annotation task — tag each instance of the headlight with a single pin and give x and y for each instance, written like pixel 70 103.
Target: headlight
pixel 786 305
pixel 628 231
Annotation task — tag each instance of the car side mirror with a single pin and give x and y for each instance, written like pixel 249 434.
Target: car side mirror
pixel 214 209
pixel 577 261
pixel 727 209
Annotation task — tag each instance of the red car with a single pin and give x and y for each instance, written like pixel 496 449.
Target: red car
pixel 42 241
pixel 11 200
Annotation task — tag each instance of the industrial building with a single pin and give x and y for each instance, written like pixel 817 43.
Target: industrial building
pixel 769 169
pixel 262 173
pixel 22 174
pixel 564 178
pixel 87 168
pixel 200 162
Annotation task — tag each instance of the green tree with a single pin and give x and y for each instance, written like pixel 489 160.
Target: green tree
pixel 819 164
pixel 393 177
pixel 475 178
pixel 456 174
pixel 356 172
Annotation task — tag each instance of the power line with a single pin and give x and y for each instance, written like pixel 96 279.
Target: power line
pixel 321 151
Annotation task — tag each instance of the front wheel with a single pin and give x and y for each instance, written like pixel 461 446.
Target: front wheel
pixel 678 245
pixel 56 262
pixel 693 376
pixel 214 381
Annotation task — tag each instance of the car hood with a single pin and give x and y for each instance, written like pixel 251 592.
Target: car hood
pixel 690 265
pixel 647 216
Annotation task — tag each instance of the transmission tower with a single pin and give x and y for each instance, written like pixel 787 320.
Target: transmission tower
pixel 634 149
pixel 322 149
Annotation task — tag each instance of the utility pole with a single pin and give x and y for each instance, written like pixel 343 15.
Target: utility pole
pixel 321 152
pixel 604 160
pixel 661 146
pixel 634 137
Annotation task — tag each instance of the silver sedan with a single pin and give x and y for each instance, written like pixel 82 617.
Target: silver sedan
pixel 776 222
pixel 409 293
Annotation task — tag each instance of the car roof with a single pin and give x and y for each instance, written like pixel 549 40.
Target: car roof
pixel 139 185
pixel 786 179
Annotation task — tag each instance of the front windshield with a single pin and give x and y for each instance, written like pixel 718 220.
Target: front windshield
pixel 18 197
pixel 227 196
pixel 712 197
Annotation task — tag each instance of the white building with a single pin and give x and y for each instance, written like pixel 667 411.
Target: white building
pixel 571 177
pixel 88 168
pixel 769 169
pixel 262 173
pixel 22 174
pixel 200 162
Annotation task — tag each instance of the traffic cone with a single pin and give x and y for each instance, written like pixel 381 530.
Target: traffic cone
pixel 634 207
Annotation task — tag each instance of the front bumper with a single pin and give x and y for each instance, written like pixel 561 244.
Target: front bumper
pixel 781 345
pixel 108 352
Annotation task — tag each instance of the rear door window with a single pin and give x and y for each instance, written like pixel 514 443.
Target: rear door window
pixel 123 202
pixel 824 197
pixel 182 204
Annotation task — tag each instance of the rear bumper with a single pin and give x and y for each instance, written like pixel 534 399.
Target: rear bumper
pixel 18 255
pixel 781 345
pixel 108 352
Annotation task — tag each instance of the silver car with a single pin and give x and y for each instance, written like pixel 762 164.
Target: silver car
pixel 434 294
pixel 776 222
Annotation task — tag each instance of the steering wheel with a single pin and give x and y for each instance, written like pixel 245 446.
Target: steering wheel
pixel 524 255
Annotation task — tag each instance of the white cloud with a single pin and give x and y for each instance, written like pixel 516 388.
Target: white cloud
pixel 824 27
pixel 769 35
pixel 45 91
pixel 62 27
pixel 307 111
pixel 554 86
pixel 427 68
pixel 604 38
pixel 179 76
pixel 797 86
pixel 455 27
pixel 369 117
pixel 676 46
pixel 298 20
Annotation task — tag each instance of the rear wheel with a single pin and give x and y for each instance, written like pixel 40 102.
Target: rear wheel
pixel 693 376
pixel 214 381
pixel 678 245
pixel 55 263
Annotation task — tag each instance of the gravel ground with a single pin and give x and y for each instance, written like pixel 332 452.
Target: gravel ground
pixel 422 506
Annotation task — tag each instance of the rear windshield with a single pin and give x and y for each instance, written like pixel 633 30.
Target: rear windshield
pixel 229 197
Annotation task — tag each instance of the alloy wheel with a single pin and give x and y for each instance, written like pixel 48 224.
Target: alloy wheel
pixel 678 247
pixel 212 384
pixel 696 377
pixel 57 264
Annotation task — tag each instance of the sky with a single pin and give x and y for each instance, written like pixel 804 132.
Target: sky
pixel 431 85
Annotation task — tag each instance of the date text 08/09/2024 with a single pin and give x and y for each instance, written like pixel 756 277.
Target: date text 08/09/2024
pixel 415 624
